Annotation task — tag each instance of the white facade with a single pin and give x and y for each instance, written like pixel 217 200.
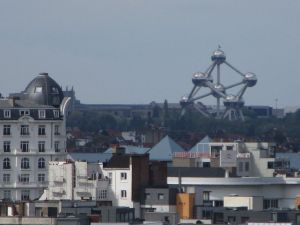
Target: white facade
pixel 26 146
pixel 251 203
pixel 252 158
pixel 82 180
pixel 60 180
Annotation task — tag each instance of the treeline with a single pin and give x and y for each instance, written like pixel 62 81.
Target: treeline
pixel 283 130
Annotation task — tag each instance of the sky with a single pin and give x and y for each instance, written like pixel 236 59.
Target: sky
pixel 134 51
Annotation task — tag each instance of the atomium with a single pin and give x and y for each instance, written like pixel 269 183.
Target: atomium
pixel 233 103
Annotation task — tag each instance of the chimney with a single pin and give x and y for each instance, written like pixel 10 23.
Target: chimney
pixel 117 150
pixel 12 101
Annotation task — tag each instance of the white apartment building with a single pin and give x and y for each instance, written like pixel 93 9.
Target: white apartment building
pixel 250 159
pixel 116 182
pixel 32 133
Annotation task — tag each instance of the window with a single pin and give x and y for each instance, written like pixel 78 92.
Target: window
pixel 6 146
pixel 123 176
pixel 147 196
pixel 38 89
pixel 219 203
pixel 42 130
pixel 102 194
pixel 247 166
pixel 231 219
pixel 123 194
pixel 6 113
pixel 94 176
pixel 41 177
pixel 6 163
pixel 24 130
pixel 207 214
pixel 24 146
pixel 41 146
pixel 41 163
pixel 25 194
pixel 24 178
pixel 244 219
pixel 25 163
pixel 271 165
pixel 7 194
pixel 56 130
pixel 56 146
pixel 55 90
pixel 241 167
pixel 6 178
pixel 218 218
pixel 205 195
pixel 6 130
pixel 42 114
pixel 56 113
pixel 110 177
pixel 160 196
pixel 270 203
pixel 229 147
pixel 24 112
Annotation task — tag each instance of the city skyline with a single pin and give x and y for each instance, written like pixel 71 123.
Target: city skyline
pixel 138 51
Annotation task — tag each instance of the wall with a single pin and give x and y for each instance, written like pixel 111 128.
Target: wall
pixel 252 203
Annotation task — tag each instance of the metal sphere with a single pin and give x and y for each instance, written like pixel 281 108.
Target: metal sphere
pixel 250 79
pixel 233 101
pixel 218 56
pixel 219 88
pixel 184 101
pixel 200 79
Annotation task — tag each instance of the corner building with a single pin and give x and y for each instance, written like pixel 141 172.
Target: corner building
pixel 32 133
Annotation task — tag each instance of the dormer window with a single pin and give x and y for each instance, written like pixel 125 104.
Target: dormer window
pixel 6 113
pixel 42 114
pixel 56 113
pixel 54 90
pixel 24 112
pixel 38 90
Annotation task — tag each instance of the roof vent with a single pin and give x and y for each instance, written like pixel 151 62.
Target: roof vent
pixel 43 74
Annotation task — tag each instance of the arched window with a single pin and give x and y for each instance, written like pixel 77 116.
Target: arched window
pixel 41 163
pixel 6 163
pixel 25 163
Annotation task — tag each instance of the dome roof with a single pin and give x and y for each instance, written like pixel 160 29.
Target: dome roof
pixel 44 90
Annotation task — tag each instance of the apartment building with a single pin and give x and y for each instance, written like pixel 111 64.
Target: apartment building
pixel 32 131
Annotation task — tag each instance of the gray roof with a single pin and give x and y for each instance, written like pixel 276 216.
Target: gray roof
pixel 201 146
pixel 17 106
pixel 89 157
pixel 44 90
pixel 131 149
pixel 164 150
pixel 6 103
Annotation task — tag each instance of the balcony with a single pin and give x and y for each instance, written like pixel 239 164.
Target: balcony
pixel 83 192
pixel 58 190
pixel 58 179
pixel 207 203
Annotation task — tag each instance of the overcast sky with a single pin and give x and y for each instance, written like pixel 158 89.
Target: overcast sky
pixel 132 51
